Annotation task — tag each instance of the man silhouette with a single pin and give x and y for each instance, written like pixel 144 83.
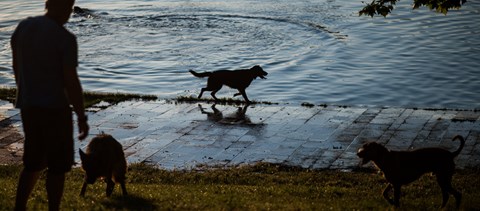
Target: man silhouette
pixel 44 63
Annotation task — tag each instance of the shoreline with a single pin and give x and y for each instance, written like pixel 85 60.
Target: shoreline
pixel 94 99
pixel 102 100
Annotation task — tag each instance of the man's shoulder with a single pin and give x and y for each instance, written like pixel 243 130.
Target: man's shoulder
pixel 34 22
pixel 34 19
pixel 45 22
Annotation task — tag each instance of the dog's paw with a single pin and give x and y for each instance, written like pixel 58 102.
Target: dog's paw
pixel 390 201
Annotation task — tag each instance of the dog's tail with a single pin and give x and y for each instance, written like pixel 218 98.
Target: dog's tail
pixel 462 143
pixel 200 75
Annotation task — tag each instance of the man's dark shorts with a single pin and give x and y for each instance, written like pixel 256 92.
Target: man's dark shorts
pixel 48 139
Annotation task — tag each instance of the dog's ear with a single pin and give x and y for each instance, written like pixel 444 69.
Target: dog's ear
pixel 361 154
pixel 360 151
pixel 256 67
pixel 83 156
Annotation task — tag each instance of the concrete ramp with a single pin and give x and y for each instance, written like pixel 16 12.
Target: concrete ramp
pixel 188 136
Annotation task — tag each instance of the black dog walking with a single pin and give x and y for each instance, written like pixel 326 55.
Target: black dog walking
pixel 403 167
pixel 236 79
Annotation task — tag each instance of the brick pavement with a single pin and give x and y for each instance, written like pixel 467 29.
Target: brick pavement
pixel 185 136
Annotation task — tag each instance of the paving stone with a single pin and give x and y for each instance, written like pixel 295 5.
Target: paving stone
pixel 187 136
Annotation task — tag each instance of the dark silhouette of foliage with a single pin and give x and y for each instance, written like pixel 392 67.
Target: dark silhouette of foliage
pixel 385 7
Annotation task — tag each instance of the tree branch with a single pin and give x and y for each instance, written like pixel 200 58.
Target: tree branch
pixel 385 7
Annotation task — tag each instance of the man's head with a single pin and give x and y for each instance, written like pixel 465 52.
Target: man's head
pixel 59 10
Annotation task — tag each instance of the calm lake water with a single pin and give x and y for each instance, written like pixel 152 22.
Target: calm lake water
pixel 314 51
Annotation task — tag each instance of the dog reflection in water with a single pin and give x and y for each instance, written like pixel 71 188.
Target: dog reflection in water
pixel 238 117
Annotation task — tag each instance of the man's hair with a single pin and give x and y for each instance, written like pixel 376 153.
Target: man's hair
pixel 58 3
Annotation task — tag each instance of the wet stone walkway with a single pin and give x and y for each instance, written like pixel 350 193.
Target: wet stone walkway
pixel 188 136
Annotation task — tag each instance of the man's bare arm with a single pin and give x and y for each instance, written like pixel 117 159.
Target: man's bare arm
pixel 14 58
pixel 75 97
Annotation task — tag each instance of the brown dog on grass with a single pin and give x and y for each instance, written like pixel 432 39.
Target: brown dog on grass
pixel 403 167
pixel 104 159
pixel 237 79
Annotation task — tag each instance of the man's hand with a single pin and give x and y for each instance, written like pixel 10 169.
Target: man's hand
pixel 75 97
pixel 82 129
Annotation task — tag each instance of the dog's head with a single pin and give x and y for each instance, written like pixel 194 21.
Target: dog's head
pixel 258 72
pixel 89 166
pixel 371 151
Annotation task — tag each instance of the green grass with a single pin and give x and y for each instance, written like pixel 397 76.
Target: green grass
pixel 90 98
pixel 8 94
pixel 258 187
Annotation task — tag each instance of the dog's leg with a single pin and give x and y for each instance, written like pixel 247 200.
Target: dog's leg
pixel 119 177
pixel 458 197
pixel 244 94
pixel 110 185
pixel 445 183
pixel 396 195
pixel 201 93
pixel 213 94
pixel 84 188
pixel 124 189
pixel 386 192
pixel 445 197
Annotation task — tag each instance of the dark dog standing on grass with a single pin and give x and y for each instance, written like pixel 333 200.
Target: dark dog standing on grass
pixel 104 159
pixel 237 79
pixel 403 167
